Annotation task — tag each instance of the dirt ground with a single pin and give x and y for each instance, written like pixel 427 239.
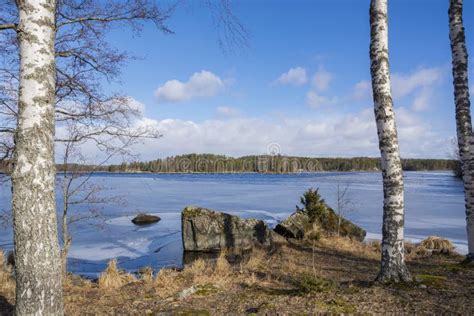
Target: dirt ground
pixel 332 276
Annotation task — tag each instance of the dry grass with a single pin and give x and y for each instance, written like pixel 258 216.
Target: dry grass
pixel 256 261
pixel 273 281
pixel 146 274
pixel 113 278
pixel 370 250
pixel 223 268
pixel 437 244
pixel 168 282
pixel 7 283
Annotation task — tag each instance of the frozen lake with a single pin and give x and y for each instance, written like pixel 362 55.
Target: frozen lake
pixel 434 206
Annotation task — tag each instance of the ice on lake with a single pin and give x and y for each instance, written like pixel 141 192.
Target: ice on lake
pixel 434 206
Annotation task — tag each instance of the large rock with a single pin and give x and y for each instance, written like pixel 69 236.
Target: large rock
pixel 206 230
pixel 294 226
pixel 298 224
pixel 145 219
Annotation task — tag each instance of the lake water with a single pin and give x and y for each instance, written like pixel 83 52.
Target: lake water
pixel 434 206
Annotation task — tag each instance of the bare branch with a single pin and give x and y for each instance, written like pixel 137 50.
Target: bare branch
pixel 8 27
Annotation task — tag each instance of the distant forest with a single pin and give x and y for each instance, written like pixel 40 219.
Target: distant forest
pixel 208 163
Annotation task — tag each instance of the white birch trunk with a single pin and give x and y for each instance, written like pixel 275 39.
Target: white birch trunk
pixel 393 267
pixel 37 260
pixel 463 113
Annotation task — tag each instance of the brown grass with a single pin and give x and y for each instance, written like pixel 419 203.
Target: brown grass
pixel 223 268
pixel 256 261
pixel 370 251
pixel 146 274
pixel 437 244
pixel 113 278
pixel 7 283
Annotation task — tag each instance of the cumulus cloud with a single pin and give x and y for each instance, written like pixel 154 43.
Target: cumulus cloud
pixel 227 111
pixel 419 85
pixel 315 100
pixel 320 83
pixel 294 76
pixel 344 135
pixel 322 79
pixel 200 84
pixel 423 99
pixel 136 105
pixel 362 90
pixel 404 84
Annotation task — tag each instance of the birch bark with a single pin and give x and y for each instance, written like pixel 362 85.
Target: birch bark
pixel 463 113
pixel 393 267
pixel 37 260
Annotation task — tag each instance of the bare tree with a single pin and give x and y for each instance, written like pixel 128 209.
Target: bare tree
pixel 393 267
pixel 64 84
pixel 463 114
pixel 71 36
pixel 344 203
pixel 111 128
pixel 453 154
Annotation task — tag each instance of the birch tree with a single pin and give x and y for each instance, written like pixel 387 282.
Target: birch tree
pixel 37 260
pixel 393 267
pixel 39 44
pixel 54 58
pixel 463 114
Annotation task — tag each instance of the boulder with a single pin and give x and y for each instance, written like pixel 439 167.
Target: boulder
pixel 294 226
pixel 145 219
pixel 298 224
pixel 206 230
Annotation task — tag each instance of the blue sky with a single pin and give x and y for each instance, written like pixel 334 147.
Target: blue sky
pixel 302 82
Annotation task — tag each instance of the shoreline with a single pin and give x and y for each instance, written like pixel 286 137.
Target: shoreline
pixel 248 172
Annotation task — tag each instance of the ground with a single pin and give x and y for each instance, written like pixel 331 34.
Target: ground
pixel 332 275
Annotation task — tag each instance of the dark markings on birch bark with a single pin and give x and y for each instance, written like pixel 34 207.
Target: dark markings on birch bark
pixel 463 113
pixel 37 260
pixel 393 267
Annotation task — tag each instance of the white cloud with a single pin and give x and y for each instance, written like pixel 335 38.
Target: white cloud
pixel 322 79
pixel 362 90
pixel 471 92
pixel 423 99
pixel 315 100
pixel 200 84
pixel 227 111
pixel 404 84
pixel 134 104
pixel 344 135
pixel 295 76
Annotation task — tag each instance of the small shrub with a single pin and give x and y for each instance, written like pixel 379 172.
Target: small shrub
pixel 308 283
pixel 314 233
pixel 113 278
pixel 313 204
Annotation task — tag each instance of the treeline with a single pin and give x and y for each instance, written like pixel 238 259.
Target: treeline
pixel 208 163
